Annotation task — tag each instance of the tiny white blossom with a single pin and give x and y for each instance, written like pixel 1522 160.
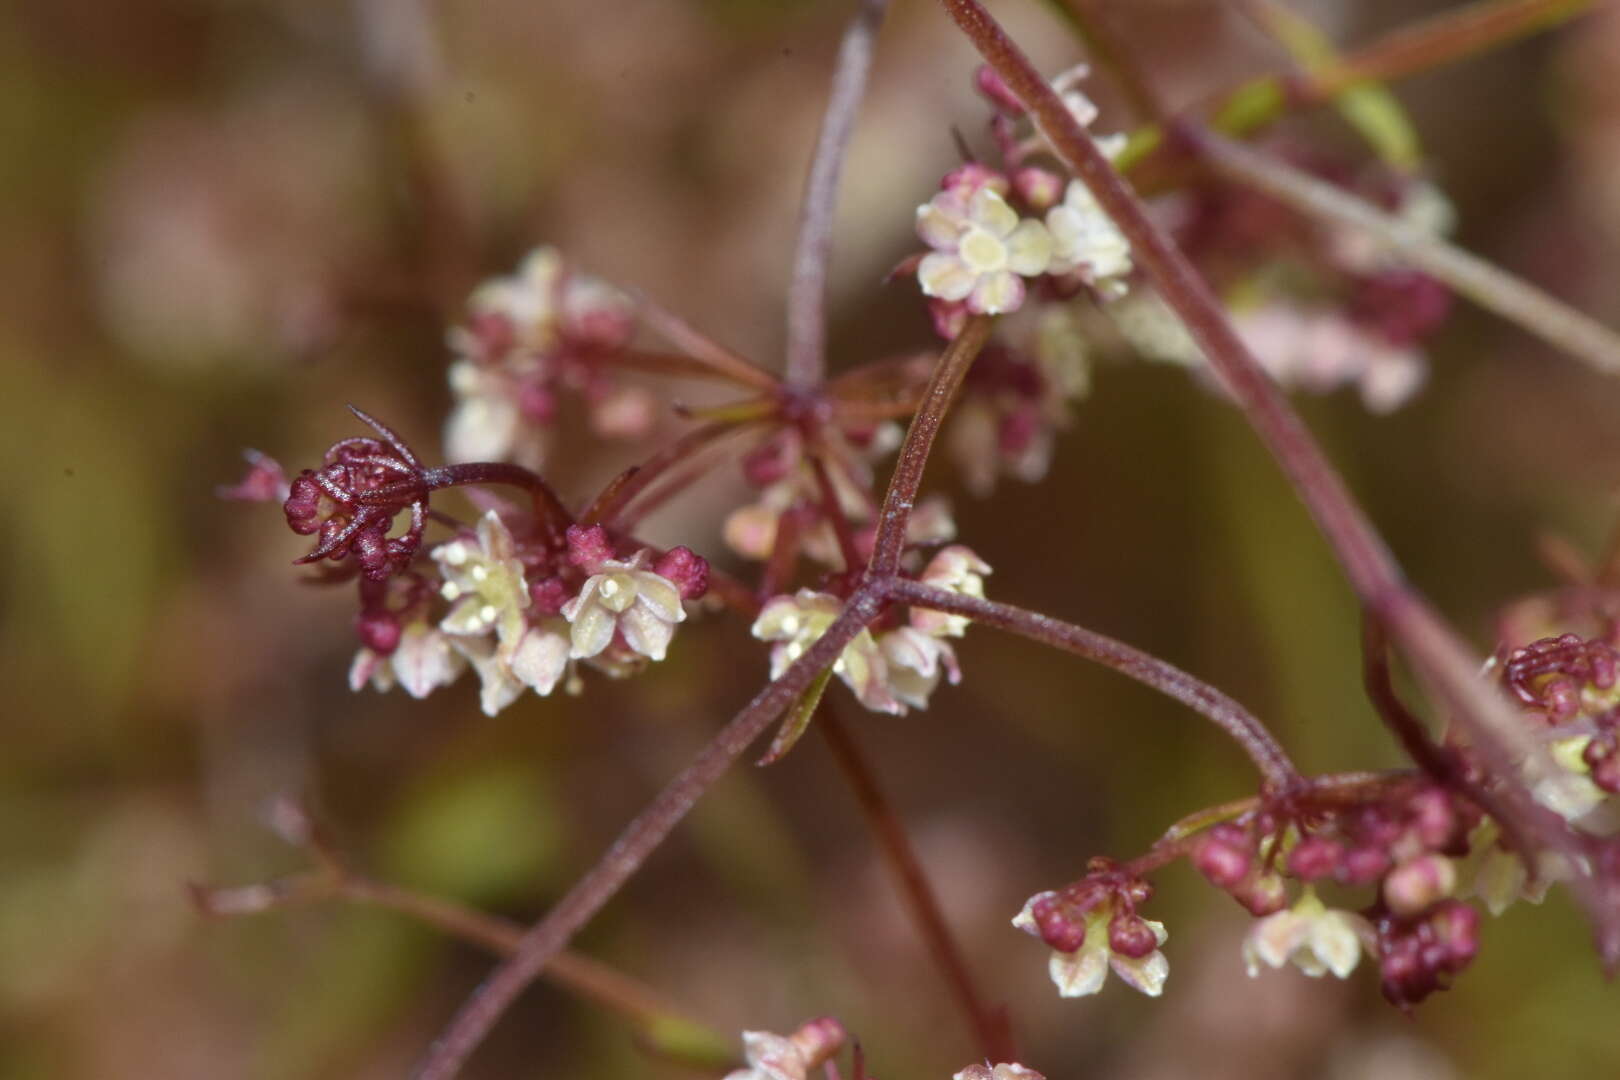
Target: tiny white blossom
pixel 1313 937
pixel 1084 971
pixel 795 622
pixel 484 583
pixel 1084 238
pixel 542 654
pixel 1007 1071
pixel 982 250
pixel 627 598
pixel 499 687
pixel 915 661
pixel 955 569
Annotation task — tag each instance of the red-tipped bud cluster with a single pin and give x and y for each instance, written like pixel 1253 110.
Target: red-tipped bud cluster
pixel 1551 673
pixel 1130 935
pixel 350 503
pixel 1060 917
pixel 687 570
pixel 1421 955
pixel 589 546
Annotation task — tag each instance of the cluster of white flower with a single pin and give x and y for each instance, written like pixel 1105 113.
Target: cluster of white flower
pixel 623 615
pixel 1085 970
pixel 893 669
pixel 528 336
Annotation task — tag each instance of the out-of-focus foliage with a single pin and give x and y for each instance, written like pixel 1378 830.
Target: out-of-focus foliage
pixel 216 219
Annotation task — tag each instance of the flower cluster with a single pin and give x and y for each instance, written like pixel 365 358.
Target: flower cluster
pixel 1092 927
pixel 528 338
pixel 993 230
pixel 894 667
pixel 790 1057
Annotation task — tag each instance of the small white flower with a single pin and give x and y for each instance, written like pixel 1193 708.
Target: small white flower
pixel 423 661
pixel 625 598
pixel 1313 937
pixel 955 569
pixel 1086 239
pixel 1007 1071
pixel 915 661
pixel 982 250
pixel 484 584
pixel 795 622
pixel 499 687
pixel 1084 971
pixel 770 1057
pixel 542 654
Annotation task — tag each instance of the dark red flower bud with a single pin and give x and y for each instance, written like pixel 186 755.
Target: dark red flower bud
pixel 688 570
pixel 1130 935
pixel 1315 857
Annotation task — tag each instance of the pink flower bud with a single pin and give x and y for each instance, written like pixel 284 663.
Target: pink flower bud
pixel 378 630
pixel 588 547
pixel 1314 858
pixel 994 87
pixel 1224 855
pixel 1130 935
pixel 688 570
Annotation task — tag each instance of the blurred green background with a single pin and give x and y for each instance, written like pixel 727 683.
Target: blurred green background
pixel 223 219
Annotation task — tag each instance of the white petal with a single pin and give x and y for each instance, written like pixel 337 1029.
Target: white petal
pixel 1079 974
pixel 939 228
pixel 989 210
pixel 997 294
pixel 945 276
pixel 646 631
pixel 591 631
pixel 1146 974
pixel 541 659
pixel 1029 248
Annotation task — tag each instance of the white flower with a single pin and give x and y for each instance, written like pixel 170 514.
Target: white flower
pixel 484 584
pixel 1086 239
pixel 626 598
pixel 770 1057
pixel 542 654
pixel 1315 938
pixel 499 687
pixel 795 622
pixel 982 250
pixel 486 423
pixel 999 1072
pixel 1498 876
pixel 915 661
pixel 1319 350
pixel 955 569
pixel 1083 972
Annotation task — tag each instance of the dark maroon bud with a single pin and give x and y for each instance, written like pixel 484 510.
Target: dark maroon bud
pixel 588 547
pixel 1263 894
pixel 996 90
pixel 1018 430
pixel 1363 865
pixel 378 630
pixel 1314 858
pixel 1433 819
pixel 1224 855
pixel 1130 935
pixel 548 595
pixel 1058 928
pixel 688 570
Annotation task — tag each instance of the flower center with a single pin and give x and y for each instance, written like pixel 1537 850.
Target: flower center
pixel 983 251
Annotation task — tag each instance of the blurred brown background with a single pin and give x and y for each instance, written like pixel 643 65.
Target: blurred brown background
pixel 223 219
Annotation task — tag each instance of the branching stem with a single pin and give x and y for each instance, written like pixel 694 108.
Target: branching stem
pixel 1243 726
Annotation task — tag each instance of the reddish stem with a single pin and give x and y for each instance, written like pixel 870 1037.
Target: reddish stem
pixel 807 290
pixel 1243 726
pixel 989 1025
pixel 1435 650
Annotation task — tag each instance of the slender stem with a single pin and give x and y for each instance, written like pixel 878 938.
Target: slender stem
pixel 1488 286
pixel 1093 23
pixel 989 1025
pixel 547 506
pixel 546 938
pixel 908 470
pixel 590 979
pixel 724 362
pixel 1243 726
pixel 1442 39
pixel 833 511
pixel 542 941
pixel 1435 650
pixel 619 494
pixel 807 289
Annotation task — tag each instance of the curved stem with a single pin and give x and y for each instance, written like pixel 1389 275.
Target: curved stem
pixel 619 494
pixel 547 506
pixel 546 938
pixel 989 1025
pixel 1243 726
pixel 807 288
pixel 1493 728
pixel 590 979
pixel 542 941
pixel 704 350
pixel 1487 285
